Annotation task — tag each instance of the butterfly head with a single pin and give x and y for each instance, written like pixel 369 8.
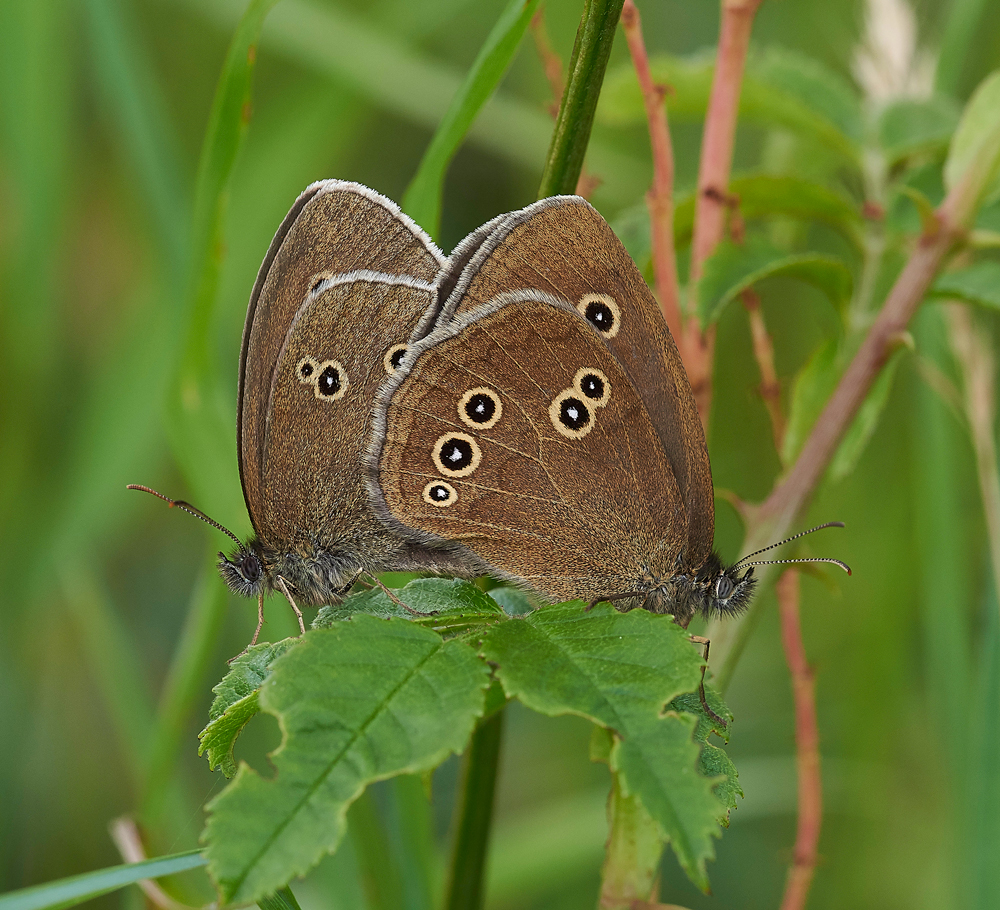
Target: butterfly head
pixel 243 569
pixel 723 591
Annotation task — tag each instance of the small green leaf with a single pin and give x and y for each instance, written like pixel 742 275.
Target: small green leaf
pixel 422 201
pixel 236 703
pixel 978 131
pixel 446 605
pixel 765 196
pixel 514 601
pixel 978 283
pixel 659 765
pixel 855 440
pixel 358 702
pixel 813 386
pixel 734 268
pixel 620 670
pixel 911 126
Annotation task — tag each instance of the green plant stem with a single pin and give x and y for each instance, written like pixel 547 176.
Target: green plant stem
pixel 379 873
pixel 474 814
pixel 632 853
pixel 583 87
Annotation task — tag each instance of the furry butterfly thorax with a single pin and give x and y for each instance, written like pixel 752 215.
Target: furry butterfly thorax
pixel 518 409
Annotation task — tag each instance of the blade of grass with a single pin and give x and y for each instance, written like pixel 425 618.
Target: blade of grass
pixel 184 686
pixel 414 87
pixel 68 892
pixel 583 87
pixel 200 423
pixel 280 900
pixel 422 201
pixel 136 103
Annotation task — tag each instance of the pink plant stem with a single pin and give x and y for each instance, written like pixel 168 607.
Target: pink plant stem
pixel 720 130
pixel 713 179
pixel 806 743
pixel 660 198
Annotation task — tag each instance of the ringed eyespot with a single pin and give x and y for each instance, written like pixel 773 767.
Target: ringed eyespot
pixel 331 383
pixel 456 454
pixel 393 358
pixel 480 408
pixel 593 385
pixel 569 415
pixel 306 369
pixel 438 493
pixel 602 313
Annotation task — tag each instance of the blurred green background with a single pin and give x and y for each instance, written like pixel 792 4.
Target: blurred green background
pixel 103 109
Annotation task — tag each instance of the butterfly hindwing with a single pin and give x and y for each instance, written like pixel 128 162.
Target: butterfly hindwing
pixel 563 247
pixel 513 431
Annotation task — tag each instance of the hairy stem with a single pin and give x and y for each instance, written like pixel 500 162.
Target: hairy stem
pixel 583 87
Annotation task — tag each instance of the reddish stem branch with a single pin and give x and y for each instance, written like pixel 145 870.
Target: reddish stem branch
pixel 713 181
pixel 807 746
pixel 763 350
pixel 791 495
pixel 720 130
pixel 660 198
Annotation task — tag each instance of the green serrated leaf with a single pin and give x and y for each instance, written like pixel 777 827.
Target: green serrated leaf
pixel 713 762
pixel 358 702
pixel 422 201
pixel 606 666
pixel 236 703
pixel 449 606
pixel 620 670
pixel 659 765
pixel 978 283
pixel 978 130
pixel 246 674
pixel 734 268
pixel 855 440
pixel 909 126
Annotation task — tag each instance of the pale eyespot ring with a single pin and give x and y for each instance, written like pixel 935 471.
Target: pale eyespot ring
pixel 312 367
pixel 467 398
pixel 475 455
pixel 555 414
pixel 616 313
pixel 591 371
pixel 440 503
pixel 341 380
pixel 387 360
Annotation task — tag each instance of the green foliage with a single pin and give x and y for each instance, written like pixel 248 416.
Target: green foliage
pixel 422 201
pixel 734 268
pixel 357 702
pixel 978 283
pixel 620 670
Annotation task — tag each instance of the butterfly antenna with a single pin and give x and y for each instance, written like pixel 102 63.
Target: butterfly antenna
pixel 778 562
pixel 829 524
pixel 190 509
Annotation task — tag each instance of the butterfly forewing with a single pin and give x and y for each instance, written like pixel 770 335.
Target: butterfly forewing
pixel 335 227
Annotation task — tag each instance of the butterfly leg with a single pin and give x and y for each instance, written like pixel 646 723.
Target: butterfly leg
pixel 298 613
pixel 611 598
pixel 699 640
pixel 256 632
pixel 394 598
